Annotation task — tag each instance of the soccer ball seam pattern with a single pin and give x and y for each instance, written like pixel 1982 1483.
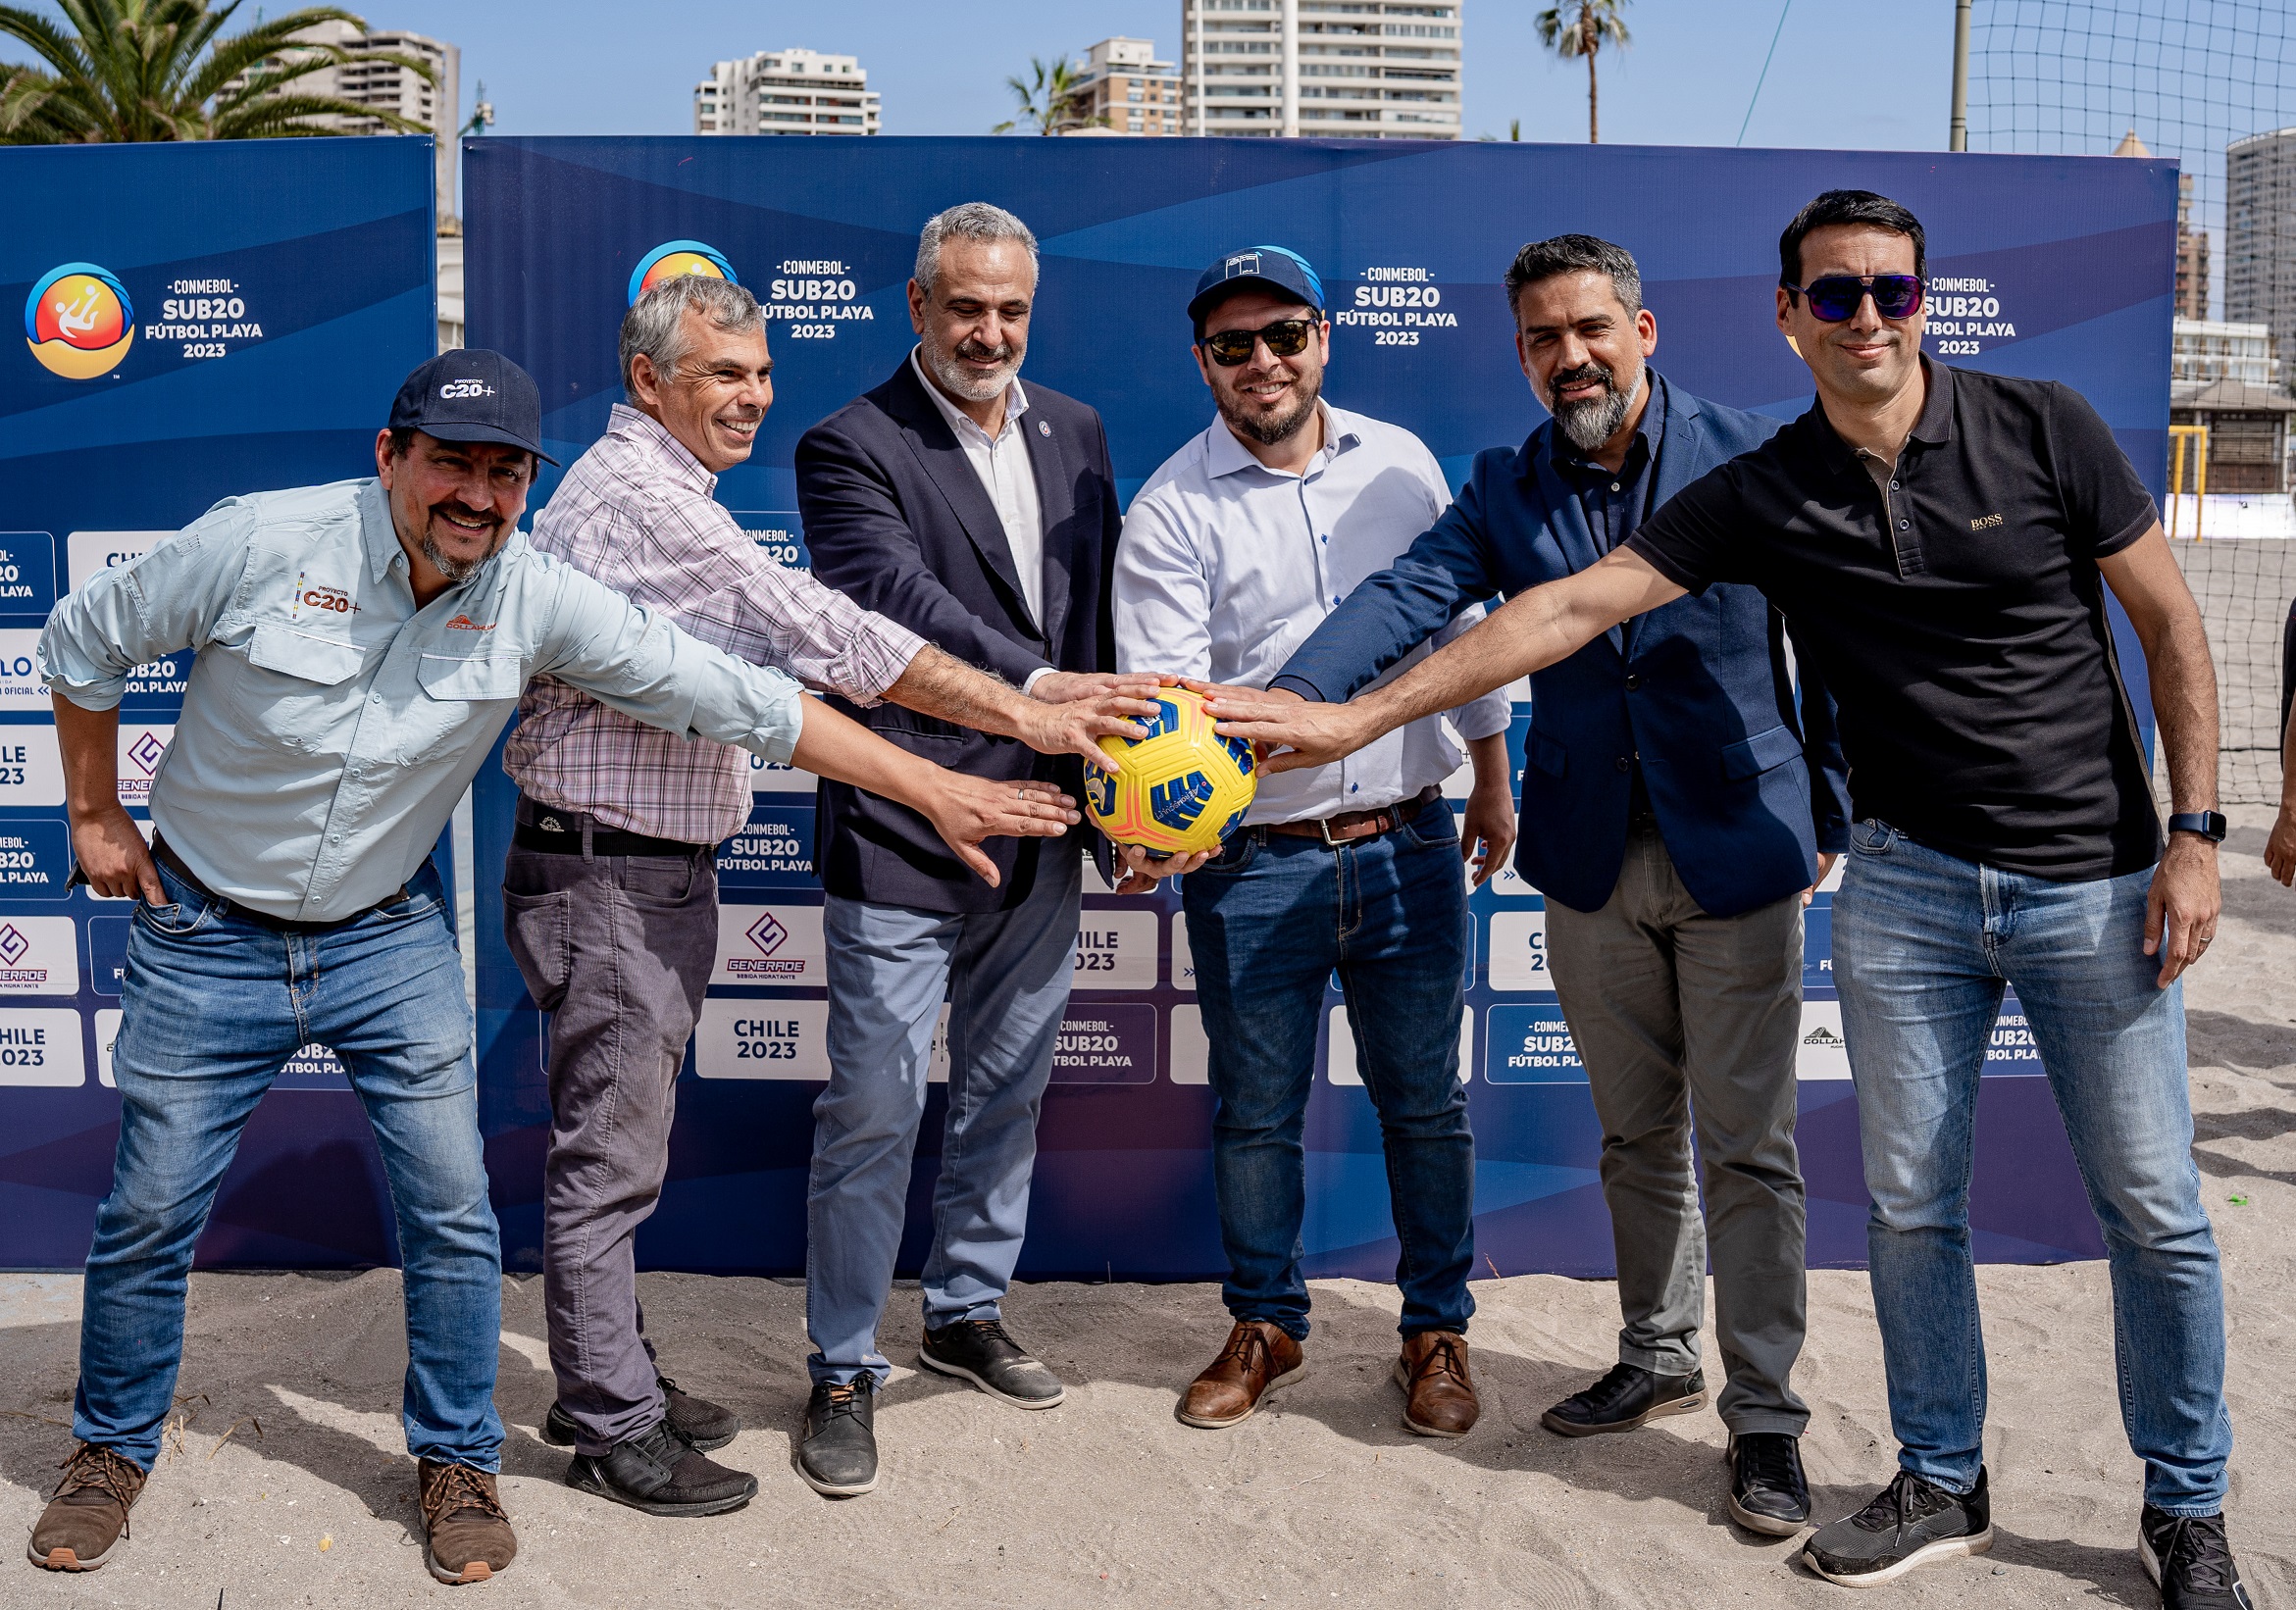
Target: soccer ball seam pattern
pixel 1181 788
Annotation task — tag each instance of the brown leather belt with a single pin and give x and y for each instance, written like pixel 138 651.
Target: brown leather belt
pixel 1349 826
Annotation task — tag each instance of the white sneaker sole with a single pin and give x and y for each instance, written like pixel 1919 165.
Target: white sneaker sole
pixel 1942 1550
pixel 1278 1384
pixel 830 1489
pixel 957 1372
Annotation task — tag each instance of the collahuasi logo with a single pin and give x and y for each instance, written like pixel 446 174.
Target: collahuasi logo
pixel 78 322
pixel 673 257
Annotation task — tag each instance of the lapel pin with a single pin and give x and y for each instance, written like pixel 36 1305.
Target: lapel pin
pixel 1043 428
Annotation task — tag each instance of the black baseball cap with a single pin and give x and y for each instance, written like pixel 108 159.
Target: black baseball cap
pixel 1256 267
pixel 472 395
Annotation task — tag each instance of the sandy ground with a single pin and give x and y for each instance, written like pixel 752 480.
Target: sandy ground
pixel 1322 1500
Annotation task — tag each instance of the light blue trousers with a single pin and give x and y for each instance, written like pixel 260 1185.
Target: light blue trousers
pixel 1005 975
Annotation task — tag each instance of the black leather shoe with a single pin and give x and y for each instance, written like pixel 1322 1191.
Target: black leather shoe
pixel 1769 1493
pixel 837 1452
pixel 704 1424
pixel 2190 1560
pixel 980 1351
pixel 1624 1399
pixel 657 1471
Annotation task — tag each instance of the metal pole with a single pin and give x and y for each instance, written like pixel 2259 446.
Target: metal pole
pixel 1957 136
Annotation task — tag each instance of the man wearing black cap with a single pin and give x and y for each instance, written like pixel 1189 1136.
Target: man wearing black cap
pixel 359 647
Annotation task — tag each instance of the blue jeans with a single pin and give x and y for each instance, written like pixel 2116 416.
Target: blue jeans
pixel 212 1008
pixel 1269 920
pixel 1924 944
pixel 1005 975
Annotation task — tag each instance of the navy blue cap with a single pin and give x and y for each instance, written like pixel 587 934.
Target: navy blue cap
pixel 1261 267
pixel 472 395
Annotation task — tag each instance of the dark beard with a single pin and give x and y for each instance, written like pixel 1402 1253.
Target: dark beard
pixel 1589 425
pixel 459 571
pixel 1270 429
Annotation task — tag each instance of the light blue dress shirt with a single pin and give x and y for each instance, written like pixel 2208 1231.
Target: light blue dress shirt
pixel 1226 567
pixel 330 725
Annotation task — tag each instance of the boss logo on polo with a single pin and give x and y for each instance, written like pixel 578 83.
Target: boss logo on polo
pixel 465 388
pixel 1985 523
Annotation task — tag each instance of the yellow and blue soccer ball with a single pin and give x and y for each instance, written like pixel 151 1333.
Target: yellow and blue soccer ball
pixel 1180 789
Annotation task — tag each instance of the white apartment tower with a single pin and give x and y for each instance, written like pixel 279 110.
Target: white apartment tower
pixel 394 88
pixel 1324 69
pixel 786 92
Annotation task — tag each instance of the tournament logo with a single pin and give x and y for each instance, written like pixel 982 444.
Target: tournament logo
pixel 676 257
pixel 78 322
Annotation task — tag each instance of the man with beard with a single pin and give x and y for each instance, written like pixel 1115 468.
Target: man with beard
pixel 359 647
pixel 621 821
pixel 1675 808
pixel 1235 549
pixel 983 516
pixel 1943 541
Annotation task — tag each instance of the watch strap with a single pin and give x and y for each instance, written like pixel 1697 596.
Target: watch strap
pixel 2210 824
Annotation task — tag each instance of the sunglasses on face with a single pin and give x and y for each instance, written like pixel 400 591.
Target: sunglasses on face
pixel 1285 338
pixel 1835 297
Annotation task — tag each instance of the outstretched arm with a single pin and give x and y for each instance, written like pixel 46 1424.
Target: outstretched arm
pixel 1530 632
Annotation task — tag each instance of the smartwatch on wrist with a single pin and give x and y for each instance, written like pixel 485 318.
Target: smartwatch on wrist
pixel 2210 824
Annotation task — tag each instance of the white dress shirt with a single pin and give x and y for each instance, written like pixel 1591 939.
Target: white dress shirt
pixel 1227 566
pixel 1007 477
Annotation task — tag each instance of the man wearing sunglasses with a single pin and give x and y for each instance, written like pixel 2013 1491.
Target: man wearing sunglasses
pixel 1942 541
pixel 1244 539
pixel 1676 808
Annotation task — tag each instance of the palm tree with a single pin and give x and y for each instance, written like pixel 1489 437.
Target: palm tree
pixel 155 69
pixel 1051 99
pixel 1583 35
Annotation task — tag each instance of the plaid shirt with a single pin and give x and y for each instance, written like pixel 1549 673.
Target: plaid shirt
pixel 635 513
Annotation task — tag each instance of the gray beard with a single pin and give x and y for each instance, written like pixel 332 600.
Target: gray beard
pixel 1269 430
pixel 457 570
pixel 961 382
pixel 1589 425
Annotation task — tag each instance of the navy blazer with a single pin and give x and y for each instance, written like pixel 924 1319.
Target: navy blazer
pixel 1698 689
pixel 896 519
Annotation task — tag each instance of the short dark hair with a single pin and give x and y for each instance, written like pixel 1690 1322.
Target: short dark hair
pixel 1575 254
pixel 1849 207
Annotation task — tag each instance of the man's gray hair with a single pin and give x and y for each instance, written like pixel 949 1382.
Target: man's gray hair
pixel 1575 254
pixel 655 323
pixel 968 221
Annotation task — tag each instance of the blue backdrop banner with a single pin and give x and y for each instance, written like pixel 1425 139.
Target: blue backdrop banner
pixel 2060 268
pixel 200 319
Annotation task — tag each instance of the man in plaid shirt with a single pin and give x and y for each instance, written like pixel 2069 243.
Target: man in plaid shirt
pixel 610 893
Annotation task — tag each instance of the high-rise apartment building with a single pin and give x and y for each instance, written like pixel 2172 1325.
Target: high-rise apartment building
pixel 1336 69
pixel 2192 257
pixel 1126 90
pixel 2259 233
pixel 786 92
pixel 433 102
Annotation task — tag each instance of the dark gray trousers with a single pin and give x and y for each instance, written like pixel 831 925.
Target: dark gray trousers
pixel 1690 1021
pixel 618 950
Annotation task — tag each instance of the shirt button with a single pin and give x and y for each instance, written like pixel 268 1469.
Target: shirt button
pixel 1633 681
pixel 1624 764
pixel 1903 524
pixel 1893 485
pixel 1613 487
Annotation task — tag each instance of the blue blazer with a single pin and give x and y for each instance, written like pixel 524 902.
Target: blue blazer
pixel 1746 787
pixel 896 519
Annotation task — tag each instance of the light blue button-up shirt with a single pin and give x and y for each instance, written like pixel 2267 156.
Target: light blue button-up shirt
pixel 1226 567
pixel 330 725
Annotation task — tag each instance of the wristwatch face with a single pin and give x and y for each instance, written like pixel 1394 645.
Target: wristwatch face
pixel 2210 824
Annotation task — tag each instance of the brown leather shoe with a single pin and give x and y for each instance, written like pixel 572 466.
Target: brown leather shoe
pixel 86 1521
pixel 1439 1398
pixel 1259 1357
pixel 466 1533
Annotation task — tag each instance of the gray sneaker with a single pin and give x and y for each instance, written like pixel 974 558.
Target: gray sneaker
pixel 1909 1523
pixel 837 1452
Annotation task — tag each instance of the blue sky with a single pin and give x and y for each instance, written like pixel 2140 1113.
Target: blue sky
pixel 1847 72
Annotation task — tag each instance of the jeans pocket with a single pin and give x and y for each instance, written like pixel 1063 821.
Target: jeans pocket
pixel 1234 853
pixel 539 929
pixel 175 920
pixel 1437 826
pixel 1872 836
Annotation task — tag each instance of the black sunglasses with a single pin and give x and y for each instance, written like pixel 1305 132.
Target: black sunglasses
pixel 1285 338
pixel 1835 297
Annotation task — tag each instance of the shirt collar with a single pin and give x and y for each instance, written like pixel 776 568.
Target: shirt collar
pixel 1017 400
pixel 1933 428
pixel 633 425
pixel 1227 453
pixel 377 531
pixel 1648 433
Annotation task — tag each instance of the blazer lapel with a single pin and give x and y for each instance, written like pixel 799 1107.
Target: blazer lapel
pixel 1566 517
pixel 1057 499
pixel 936 446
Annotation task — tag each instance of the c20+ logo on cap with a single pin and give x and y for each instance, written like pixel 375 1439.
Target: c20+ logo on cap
pixel 453 390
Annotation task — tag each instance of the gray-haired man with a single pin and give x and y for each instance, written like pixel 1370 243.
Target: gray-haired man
pixel 620 829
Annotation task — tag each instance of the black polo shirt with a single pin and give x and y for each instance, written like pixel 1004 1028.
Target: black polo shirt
pixel 1955 611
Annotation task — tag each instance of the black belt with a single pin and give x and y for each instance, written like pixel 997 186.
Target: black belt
pixel 168 859
pixel 567 840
